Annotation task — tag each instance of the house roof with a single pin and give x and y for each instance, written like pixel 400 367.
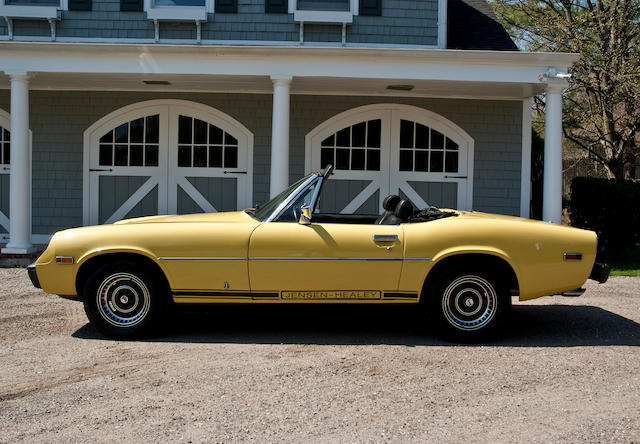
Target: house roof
pixel 472 24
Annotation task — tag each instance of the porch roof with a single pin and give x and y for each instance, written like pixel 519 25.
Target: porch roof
pixel 315 70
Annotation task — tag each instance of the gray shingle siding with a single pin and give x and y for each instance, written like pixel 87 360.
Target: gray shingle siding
pixel 402 22
pixel 59 119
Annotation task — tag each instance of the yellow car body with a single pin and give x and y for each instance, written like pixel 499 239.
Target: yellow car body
pixel 230 257
pixel 464 266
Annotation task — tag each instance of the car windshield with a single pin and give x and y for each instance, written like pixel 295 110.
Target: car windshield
pixel 264 211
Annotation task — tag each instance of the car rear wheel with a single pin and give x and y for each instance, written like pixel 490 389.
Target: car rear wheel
pixel 123 300
pixel 468 306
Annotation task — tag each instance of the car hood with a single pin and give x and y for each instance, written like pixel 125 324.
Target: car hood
pixel 231 216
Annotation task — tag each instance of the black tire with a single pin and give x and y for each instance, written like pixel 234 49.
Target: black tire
pixel 468 306
pixel 124 300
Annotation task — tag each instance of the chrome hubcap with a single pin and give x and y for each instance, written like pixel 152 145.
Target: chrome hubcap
pixel 469 302
pixel 123 299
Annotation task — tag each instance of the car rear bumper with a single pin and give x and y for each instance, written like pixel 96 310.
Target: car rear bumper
pixel 31 270
pixel 600 272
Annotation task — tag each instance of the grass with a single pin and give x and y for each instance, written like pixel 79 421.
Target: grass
pixel 626 263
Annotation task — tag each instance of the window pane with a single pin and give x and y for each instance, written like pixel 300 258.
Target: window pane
pixel 359 134
pixel 121 155
pixel 451 165
pixel 135 155
pixel 184 156
pixel 200 156
pixel 184 129
pixel 229 139
pixel 422 136
pixel 33 2
pixel 137 130
pixel 436 162
pixel 153 129
pixel 343 137
pixel 151 155
pixel 437 140
pixel 357 159
pixel 230 157
pixel 215 135
pixel 7 154
pixel 323 5
pixel 199 132
pixel 451 145
pixel 121 133
pixel 406 160
pixel 326 157
pixel 6 135
pixel 422 158
pixel 179 2
pixel 215 157
pixel 329 141
pixel 406 134
pixel 342 159
pixel 107 138
pixel 373 160
pixel 374 128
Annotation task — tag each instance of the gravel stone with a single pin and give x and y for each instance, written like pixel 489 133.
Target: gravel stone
pixel 566 370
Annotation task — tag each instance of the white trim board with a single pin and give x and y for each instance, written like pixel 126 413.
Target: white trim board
pixel 525 171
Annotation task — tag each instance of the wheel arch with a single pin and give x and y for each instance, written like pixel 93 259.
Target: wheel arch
pixel 91 262
pixel 483 260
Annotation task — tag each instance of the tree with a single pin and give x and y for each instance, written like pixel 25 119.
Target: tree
pixel 602 104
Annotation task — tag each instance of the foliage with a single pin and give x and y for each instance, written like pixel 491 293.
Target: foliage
pixel 611 208
pixel 602 104
pixel 626 264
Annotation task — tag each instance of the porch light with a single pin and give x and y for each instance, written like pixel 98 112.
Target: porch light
pixel 156 82
pixel 400 87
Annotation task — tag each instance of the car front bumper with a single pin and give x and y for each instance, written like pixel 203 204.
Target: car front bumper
pixel 31 270
pixel 600 272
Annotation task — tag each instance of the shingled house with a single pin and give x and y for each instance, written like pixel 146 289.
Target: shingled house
pixel 114 109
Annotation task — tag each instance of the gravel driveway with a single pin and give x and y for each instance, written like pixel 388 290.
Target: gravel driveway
pixel 568 370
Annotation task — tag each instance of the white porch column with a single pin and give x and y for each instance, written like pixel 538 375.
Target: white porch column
pixel 280 135
pixel 552 190
pixel 20 178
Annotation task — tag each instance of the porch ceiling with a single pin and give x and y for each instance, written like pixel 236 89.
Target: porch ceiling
pixel 263 85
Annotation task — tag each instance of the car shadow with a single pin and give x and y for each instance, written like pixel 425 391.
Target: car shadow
pixel 530 326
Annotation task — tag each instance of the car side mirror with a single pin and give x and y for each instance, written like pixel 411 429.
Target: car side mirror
pixel 305 216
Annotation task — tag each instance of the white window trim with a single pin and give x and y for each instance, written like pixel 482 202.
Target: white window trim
pixel 307 16
pixel 442 24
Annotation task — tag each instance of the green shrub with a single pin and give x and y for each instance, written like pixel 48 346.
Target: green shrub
pixel 611 208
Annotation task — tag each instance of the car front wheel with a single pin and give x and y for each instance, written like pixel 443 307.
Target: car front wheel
pixel 468 306
pixel 123 300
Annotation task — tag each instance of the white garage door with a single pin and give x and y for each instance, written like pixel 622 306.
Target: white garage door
pixel 166 157
pixel 387 149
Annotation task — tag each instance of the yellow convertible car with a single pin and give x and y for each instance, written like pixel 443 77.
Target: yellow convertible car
pixel 461 268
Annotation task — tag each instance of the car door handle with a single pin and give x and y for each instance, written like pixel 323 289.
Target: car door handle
pixel 385 237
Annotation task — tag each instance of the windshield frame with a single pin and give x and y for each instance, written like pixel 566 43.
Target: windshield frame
pixel 293 195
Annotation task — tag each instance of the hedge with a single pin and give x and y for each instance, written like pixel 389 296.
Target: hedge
pixel 611 208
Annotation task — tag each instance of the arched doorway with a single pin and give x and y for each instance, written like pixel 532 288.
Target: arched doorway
pixel 165 157
pixel 385 149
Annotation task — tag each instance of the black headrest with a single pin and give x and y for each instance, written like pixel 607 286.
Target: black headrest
pixel 391 202
pixel 404 209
